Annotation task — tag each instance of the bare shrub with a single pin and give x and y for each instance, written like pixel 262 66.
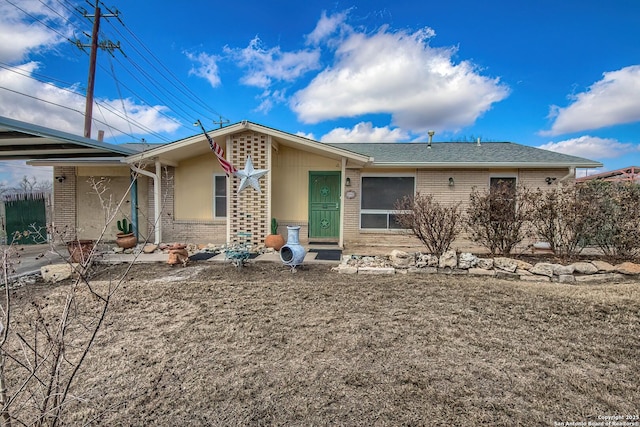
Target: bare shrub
pixel 43 347
pixel 435 225
pixel 614 217
pixel 560 216
pixel 496 218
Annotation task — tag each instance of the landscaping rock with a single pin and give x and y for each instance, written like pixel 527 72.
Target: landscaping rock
pixel 448 259
pixel 345 269
pixel 452 271
pixel 543 269
pixel 482 272
pixel 54 273
pixel 401 259
pixel 559 269
pixel 629 268
pixel 502 274
pixel 603 266
pixel 506 264
pixel 467 260
pixel 149 249
pixel 523 265
pixel 376 270
pixel 566 278
pixel 600 277
pixel 426 260
pixel 423 270
pixel 485 263
pixel 534 278
pixel 585 268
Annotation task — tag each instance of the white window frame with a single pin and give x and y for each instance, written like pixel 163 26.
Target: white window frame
pixel 215 197
pixel 388 212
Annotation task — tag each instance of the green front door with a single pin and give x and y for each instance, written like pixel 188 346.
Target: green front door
pixel 324 205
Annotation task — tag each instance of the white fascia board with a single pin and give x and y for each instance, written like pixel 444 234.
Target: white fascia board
pixel 240 127
pixel 500 165
pixel 111 161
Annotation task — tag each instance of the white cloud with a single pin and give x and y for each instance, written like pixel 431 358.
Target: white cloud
pixel 611 101
pixel 591 147
pixel 206 67
pixel 269 99
pixel 47 105
pixel 398 73
pixel 266 65
pixel 327 26
pixel 20 37
pixel 365 132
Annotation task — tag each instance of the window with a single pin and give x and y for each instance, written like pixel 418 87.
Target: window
pixel 219 196
pixel 379 197
pixel 503 197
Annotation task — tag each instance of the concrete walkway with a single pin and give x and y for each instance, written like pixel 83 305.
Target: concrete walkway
pixel 28 259
pixel 112 258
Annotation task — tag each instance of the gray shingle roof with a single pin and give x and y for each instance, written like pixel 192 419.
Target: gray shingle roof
pixel 464 154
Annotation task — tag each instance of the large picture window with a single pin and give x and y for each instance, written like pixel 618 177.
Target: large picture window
pixel 379 197
pixel 220 196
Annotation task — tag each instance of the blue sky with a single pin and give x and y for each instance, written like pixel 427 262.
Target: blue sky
pixel 561 75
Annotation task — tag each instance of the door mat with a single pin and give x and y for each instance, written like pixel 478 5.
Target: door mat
pixel 201 256
pixel 323 243
pixel 327 254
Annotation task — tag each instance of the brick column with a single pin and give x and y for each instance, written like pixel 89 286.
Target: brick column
pixel 64 218
pixel 249 209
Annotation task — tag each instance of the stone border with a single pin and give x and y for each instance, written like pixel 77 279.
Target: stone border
pixel 501 267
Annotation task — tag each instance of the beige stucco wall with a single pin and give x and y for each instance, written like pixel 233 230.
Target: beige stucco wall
pixel 93 215
pixel 290 185
pixel 194 188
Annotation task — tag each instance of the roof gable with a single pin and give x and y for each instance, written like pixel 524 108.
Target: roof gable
pixel 174 152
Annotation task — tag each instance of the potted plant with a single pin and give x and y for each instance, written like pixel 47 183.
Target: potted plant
pixel 125 238
pixel 274 240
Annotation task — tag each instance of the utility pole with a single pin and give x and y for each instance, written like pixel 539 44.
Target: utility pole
pixel 105 45
pixel 221 122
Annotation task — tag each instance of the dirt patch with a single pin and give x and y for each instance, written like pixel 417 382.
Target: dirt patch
pixel 210 344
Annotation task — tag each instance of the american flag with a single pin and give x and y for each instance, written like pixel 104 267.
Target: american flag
pixel 217 150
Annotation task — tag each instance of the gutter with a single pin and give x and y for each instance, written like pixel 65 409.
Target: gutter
pixel 572 172
pixel 504 165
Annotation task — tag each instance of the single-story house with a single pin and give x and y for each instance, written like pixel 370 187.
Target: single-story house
pixel 342 193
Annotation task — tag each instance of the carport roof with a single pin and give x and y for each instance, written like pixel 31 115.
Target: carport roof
pixel 25 141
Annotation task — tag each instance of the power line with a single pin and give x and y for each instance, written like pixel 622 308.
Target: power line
pixel 168 71
pixel 185 114
pixel 136 123
pixel 38 20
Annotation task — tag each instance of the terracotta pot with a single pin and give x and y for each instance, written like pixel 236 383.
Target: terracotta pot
pixel 80 250
pixel 126 241
pixel 275 241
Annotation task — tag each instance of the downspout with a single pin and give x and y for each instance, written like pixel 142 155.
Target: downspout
pixel 343 172
pixel 156 199
pixel 134 204
pixel 572 172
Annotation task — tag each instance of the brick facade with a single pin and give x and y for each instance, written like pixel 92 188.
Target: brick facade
pixel 64 221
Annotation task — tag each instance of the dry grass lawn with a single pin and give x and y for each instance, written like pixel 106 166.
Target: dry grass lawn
pixel 212 345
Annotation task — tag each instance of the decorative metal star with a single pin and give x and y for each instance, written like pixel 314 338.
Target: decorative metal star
pixel 250 176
